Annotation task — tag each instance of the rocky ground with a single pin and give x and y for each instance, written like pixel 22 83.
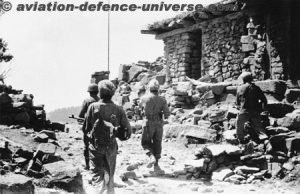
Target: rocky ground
pixel 175 153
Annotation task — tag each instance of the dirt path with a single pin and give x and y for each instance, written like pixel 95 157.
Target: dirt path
pixel 174 155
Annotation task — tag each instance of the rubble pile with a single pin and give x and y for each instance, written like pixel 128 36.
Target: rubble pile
pixel 278 156
pixel 17 108
pixel 143 71
pixel 30 158
pixel 204 112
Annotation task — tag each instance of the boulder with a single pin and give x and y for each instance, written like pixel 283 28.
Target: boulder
pixel 231 89
pixel 222 173
pixel 41 138
pixel 293 144
pixel 274 168
pixel 128 175
pixel 47 148
pixel 198 132
pixel 209 98
pixel 270 130
pixel 219 149
pixel 278 142
pixel 51 134
pixel 219 88
pixel 198 111
pixel 232 112
pixel 57 126
pixel 134 71
pixel 291 120
pixel 278 110
pixel 64 176
pixel 204 123
pixel 272 86
pixel 216 150
pixel 247 169
pixel 236 179
pixel 194 165
pixel 205 87
pixel 217 114
pixel 16 184
pixel 292 95
pixel 230 136
pixel 123 72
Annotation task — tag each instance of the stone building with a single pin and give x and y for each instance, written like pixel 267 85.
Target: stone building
pixel 230 37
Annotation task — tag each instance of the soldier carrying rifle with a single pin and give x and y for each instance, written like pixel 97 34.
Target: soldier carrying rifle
pixel 93 90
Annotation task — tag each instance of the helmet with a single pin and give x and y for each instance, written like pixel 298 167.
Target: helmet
pixel 93 88
pixel 106 87
pixel 153 85
pixel 246 77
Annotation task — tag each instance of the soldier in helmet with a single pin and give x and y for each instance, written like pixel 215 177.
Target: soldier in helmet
pixel 93 90
pixel 103 148
pixel 252 101
pixel 155 110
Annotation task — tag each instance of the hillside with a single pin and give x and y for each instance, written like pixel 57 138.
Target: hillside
pixel 62 114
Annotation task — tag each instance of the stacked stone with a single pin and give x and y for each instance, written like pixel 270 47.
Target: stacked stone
pixel 255 61
pixel 18 108
pixel 183 56
pixel 278 43
pixel 276 65
pixel 222 54
pixel 181 95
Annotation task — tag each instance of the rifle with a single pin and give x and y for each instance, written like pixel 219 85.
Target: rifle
pixel 85 140
pixel 79 119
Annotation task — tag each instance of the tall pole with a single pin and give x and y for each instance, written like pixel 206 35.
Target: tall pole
pixel 108 40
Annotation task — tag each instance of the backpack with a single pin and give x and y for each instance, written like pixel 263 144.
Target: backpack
pixel 251 97
pixel 103 132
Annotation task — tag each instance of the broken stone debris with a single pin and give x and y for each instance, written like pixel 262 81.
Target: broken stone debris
pixel 17 108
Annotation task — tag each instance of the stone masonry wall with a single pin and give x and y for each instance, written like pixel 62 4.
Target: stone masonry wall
pixel 183 53
pixel 224 48
pixel 222 54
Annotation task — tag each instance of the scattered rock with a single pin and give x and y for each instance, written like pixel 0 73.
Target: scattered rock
pixel 50 134
pixel 178 130
pixel 47 148
pixel 41 138
pixel 247 169
pixel 64 176
pixel 16 183
pixel 236 179
pixel 272 86
pixel 125 176
pixel 222 173
pixel 291 120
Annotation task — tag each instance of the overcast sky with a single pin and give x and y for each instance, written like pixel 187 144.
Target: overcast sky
pixel 55 53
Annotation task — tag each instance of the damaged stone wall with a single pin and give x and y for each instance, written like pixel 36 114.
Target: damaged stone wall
pixel 183 53
pixel 224 47
pixel 222 54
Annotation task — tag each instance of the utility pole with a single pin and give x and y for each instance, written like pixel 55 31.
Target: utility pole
pixel 108 40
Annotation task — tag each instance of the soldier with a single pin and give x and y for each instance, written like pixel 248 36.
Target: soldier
pixel 93 90
pixel 103 146
pixel 252 101
pixel 155 107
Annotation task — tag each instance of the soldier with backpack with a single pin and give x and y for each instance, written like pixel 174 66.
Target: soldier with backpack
pixel 252 101
pixel 103 119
